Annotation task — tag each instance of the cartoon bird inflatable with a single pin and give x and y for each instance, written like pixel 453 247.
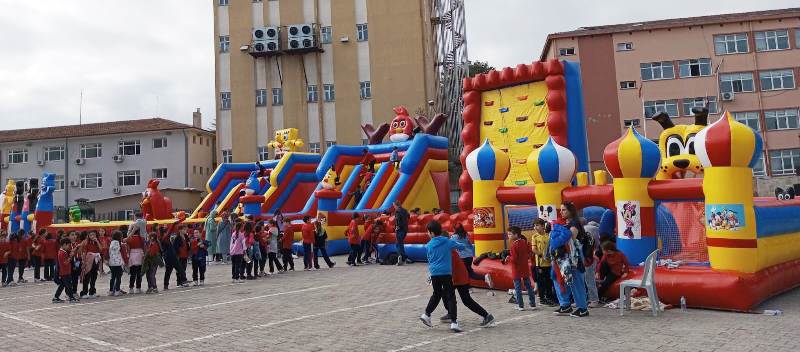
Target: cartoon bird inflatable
pixel 402 127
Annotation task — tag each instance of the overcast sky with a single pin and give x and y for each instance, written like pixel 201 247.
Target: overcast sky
pixel 143 58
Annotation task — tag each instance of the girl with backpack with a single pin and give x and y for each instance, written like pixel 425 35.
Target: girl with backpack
pixel 320 239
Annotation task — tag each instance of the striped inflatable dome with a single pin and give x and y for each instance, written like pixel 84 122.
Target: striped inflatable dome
pixel 728 142
pixel 488 163
pixel 632 156
pixel 551 163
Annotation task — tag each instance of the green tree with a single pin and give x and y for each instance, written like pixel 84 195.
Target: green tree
pixel 476 67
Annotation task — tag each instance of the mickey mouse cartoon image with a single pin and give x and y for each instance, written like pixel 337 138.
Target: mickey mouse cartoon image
pixel 628 212
pixel 787 194
pixel 546 212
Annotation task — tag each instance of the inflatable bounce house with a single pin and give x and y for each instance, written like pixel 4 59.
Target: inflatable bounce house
pixel 728 249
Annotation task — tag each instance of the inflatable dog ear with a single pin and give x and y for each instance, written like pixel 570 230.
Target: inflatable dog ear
pixel 787 194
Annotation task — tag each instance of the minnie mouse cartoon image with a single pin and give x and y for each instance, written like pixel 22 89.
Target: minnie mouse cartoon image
pixel 628 214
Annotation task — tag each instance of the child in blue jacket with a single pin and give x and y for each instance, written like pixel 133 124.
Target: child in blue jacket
pixel 441 271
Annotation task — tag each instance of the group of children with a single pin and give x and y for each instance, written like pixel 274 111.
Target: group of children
pixel 559 266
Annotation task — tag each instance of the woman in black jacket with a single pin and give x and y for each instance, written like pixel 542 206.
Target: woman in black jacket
pixel 320 237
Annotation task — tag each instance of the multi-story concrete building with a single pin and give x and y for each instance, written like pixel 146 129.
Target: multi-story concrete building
pixel 746 63
pixel 358 60
pixel 101 161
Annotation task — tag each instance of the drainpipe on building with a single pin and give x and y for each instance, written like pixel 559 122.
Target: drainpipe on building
pixel 185 159
pixel 66 173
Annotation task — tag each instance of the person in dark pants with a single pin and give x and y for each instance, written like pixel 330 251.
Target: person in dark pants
pixel 23 255
pixel 37 254
pixel 272 247
pixel 51 246
pixel 440 268
pixel 357 194
pixel 461 284
pixel 354 239
pixel 198 251
pixel 5 254
pixel 64 272
pixel 308 241
pixel 11 260
pixel 613 265
pixel 169 255
pixel 320 239
pixel 401 217
pixel 237 249
pixel 287 241
pixel 182 249
pixel 542 267
pixel 75 253
pixel 152 260
pixel 91 248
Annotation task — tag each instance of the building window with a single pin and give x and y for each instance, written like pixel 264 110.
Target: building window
pixel 59 181
pixel 777 80
pixel 329 92
pixel 223 2
pixel 224 43
pixel 366 89
pixel 329 144
pixel 129 148
pixel 261 97
pixel 781 119
pixel 313 147
pixel 758 168
pixel 311 93
pixel 194 169
pixel 91 150
pixel 91 180
pixel 656 106
pixel 566 51
pixel 657 70
pixel 194 139
pixel 159 142
pixel 772 40
pixel 797 38
pixel 160 173
pixel 749 118
pixel 225 100
pixel 709 102
pixel 361 32
pixel 277 96
pixel 731 43
pixel 17 156
pixel 325 35
pixel 364 141
pixel 694 67
pixel 263 153
pixel 624 46
pixel 632 122
pixel 227 156
pixel 54 153
pixel 627 85
pixel 784 162
pixel 128 178
pixel 736 82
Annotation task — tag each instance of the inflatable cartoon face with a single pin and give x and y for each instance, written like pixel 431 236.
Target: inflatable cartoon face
pixel 251 184
pixel 8 197
pixel 678 157
pixel 328 182
pixel 402 127
pixel 48 183
pixel 74 214
pixel 787 194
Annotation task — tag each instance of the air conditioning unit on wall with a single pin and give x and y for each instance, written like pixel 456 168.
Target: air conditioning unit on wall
pixel 266 40
pixel 119 158
pixel 728 96
pixel 80 161
pixel 300 37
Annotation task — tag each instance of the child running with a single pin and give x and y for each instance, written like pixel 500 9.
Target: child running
pixel 520 267
pixel 441 270
pixel 461 284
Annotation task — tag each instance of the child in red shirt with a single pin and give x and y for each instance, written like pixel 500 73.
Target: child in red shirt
pixel 152 260
pixel 64 275
pixel 21 253
pixel 51 245
pixel 354 239
pixel 461 284
pixel 286 249
pixel 5 252
pixel 612 266
pixel 520 266
pixel 37 254
pixel 371 233
pixel 308 241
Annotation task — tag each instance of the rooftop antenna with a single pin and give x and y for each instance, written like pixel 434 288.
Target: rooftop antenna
pixel 80 109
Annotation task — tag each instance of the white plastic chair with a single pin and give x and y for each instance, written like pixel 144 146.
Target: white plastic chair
pixel 647 282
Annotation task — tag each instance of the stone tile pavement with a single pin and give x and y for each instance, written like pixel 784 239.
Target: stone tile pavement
pixel 368 308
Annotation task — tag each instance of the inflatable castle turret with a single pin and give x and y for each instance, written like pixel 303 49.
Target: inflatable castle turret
pixel 552 168
pixel 728 150
pixel 633 161
pixel 488 167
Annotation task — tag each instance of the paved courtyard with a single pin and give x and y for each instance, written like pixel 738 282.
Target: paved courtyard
pixel 369 308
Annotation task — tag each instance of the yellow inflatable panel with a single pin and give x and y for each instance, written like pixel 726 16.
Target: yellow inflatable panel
pixel 514 119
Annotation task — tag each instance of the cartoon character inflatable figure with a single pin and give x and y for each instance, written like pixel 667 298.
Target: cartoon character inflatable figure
pixel 16 208
pixel 249 201
pixel 286 140
pixel 788 194
pixel 154 205
pixel 43 216
pixel 677 145
pixel 328 182
pixel 29 204
pixel 402 127
pixel 74 214
pixel 628 214
pixel 7 201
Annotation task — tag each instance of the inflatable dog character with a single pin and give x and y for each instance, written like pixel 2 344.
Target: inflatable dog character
pixel 677 145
